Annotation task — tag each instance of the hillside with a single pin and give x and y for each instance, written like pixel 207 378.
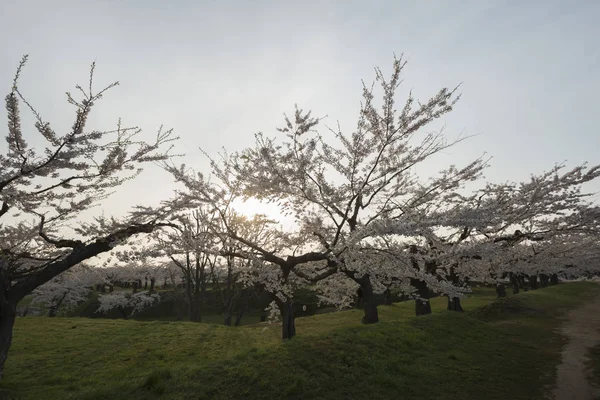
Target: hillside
pixel 496 350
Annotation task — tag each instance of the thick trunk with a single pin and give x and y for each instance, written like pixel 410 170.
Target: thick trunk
pixel 454 304
pixel 288 325
pixel 422 304
pixel 500 290
pixel 152 284
pixel 544 279
pixel 554 279
pixel 533 282
pixel 227 320
pixel 8 313
pixel 368 301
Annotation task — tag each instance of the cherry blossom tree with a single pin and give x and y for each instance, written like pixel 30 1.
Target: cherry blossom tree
pixel 127 304
pixel 342 182
pixel 191 246
pixel 43 190
pixel 515 226
pixel 67 290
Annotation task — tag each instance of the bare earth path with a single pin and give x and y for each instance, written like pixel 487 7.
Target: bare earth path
pixel 582 328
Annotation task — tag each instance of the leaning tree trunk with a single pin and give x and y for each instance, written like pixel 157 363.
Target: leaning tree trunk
pixel 288 323
pixel 8 313
pixel 500 290
pixel 544 279
pixel 533 282
pixel 422 304
pixel 368 301
pixel 454 304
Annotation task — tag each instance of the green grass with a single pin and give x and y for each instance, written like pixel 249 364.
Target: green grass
pixel 505 350
pixel 594 365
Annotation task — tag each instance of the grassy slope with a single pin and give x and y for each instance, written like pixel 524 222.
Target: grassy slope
pixel 507 350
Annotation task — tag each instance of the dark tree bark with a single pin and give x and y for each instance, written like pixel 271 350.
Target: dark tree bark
pixel 288 321
pixel 368 299
pixel 422 304
pixel 146 283
pixel 454 304
pixel 533 282
pixel 134 285
pixel 8 313
pixel 387 296
pixel 53 310
pixel 359 296
pixel 152 284
pixel 514 280
pixel 500 290
pixel 544 279
pixel 243 308
pixel 554 279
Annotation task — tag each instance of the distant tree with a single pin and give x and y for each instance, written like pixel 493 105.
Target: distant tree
pixel 127 304
pixel 67 290
pixel 41 190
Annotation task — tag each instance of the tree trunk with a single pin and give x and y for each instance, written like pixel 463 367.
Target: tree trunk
pixel 522 283
pixel 243 308
pixel 288 325
pixel 152 284
pixel 500 290
pixel 368 299
pixel 514 280
pixel 422 304
pixel 227 321
pixel 544 279
pixel 554 279
pixel 238 319
pixel 8 313
pixel 387 297
pixel 533 282
pixel 454 304
pixel 359 296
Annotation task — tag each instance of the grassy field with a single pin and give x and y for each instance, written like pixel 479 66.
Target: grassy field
pixel 496 350
pixel 595 365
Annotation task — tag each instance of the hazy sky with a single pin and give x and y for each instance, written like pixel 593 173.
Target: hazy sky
pixel 219 71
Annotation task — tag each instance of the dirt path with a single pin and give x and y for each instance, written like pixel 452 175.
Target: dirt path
pixel 582 328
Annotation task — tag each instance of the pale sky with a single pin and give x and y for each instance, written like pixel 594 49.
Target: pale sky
pixel 219 71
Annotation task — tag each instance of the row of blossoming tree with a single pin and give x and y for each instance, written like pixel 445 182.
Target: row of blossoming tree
pixel 363 218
